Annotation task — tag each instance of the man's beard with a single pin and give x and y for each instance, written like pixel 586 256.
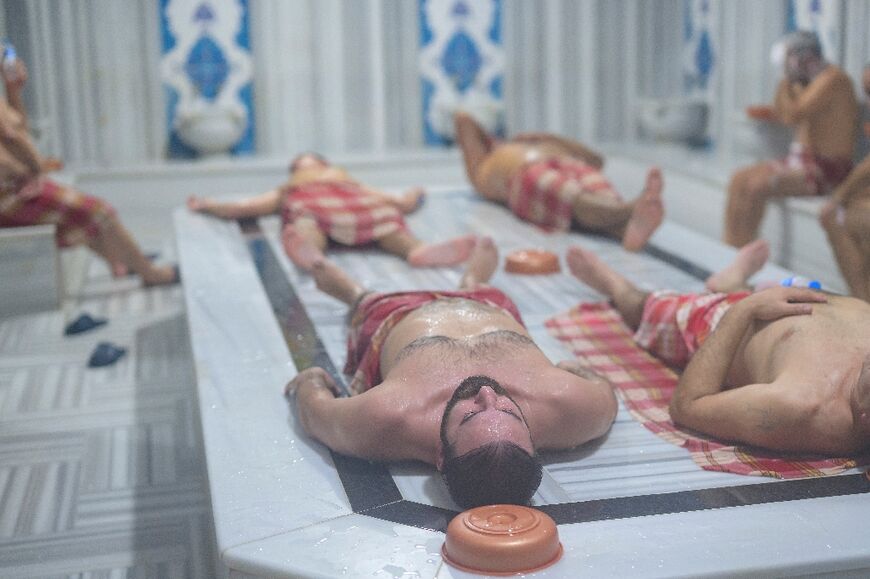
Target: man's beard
pixel 469 388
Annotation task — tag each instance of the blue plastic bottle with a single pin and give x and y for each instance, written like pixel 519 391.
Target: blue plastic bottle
pixel 798 281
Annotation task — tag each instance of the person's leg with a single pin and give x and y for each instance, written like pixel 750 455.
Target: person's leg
pixel 627 298
pixel 474 141
pixel 303 242
pixel 633 222
pixel 257 206
pixel 746 263
pixel 852 247
pixel 125 250
pixel 481 265
pixel 748 193
pixel 647 213
pixel 334 281
pixel 421 254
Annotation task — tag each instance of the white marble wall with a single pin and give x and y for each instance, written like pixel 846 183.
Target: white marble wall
pixel 342 75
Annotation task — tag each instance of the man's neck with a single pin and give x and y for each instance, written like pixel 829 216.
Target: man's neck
pixel 817 68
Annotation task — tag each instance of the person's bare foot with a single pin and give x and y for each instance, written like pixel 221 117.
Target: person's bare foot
pixel 161 275
pixel 198 204
pixel 747 262
pixel 299 249
pixel 332 280
pixel 119 270
pixel 446 253
pixel 589 269
pixel 481 265
pixel 647 214
pixel 411 200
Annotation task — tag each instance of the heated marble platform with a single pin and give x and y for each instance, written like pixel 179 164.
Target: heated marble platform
pixel 281 510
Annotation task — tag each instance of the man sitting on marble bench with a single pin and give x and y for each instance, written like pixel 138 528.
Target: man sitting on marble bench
pixel 556 183
pixel 784 368
pixel 28 197
pixel 846 219
pixel 451 378
pixel 321 202
pixel 817 98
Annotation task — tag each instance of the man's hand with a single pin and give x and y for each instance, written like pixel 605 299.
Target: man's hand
pixel 15 77
pixel 779 302
pixel 832 213
pixel 311 378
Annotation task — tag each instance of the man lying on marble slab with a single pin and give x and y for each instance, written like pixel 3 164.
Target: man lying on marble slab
pixel 451 378
pixel 783 368
pixel 817 99
pixel 322 203
pixel 846 219
pixel 557 183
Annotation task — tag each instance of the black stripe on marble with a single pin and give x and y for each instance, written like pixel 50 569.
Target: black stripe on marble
pixel 373 492
pixel 703 499
pixel 677 261
pixel 367 484
pixel 414 515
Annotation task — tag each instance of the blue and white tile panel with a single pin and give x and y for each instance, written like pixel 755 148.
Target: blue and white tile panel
pixel 206 65
pixel 823 18
pixel 700 20
pixel 461 65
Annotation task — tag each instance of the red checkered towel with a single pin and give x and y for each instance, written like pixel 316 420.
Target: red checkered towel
pixel 543 192
pixel 597 336
pixel 79 217
pixel 344 212
pixel 378 313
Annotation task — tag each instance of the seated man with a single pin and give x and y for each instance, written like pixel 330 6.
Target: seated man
pixel 784 368
pixel 451 378
pixel 556 183
pixel 28 197
pixel 817 98
pixel 321 202
pixel 846 219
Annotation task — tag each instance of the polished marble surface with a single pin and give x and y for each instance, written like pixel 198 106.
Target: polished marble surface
pixel 225 302
pixel 266 478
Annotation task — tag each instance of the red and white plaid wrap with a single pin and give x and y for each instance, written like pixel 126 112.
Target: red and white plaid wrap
pixel 378 313
pixel 344 212
pixel 674 326
pixel 543 192
pixel 822 174
pixel 78 217
pixel 599 338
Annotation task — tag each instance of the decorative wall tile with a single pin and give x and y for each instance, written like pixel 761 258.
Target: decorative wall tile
pixel 823 18
pixel 207 71
pixel 461 65
pixel 699 50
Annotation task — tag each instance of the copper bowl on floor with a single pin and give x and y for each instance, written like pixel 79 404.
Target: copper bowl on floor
pixel 532 262
pixel 501 540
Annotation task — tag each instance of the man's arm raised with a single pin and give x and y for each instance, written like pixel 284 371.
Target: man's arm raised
pixel 816 96
pixel 358 426
pixel 758 414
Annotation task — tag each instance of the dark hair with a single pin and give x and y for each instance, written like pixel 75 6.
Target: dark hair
pixel 495 473
pixel 804 42
pixel 294 164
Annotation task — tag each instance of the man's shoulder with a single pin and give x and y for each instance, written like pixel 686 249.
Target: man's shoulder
pixel 836 77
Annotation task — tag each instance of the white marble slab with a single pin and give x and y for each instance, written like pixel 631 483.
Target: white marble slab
pixel 265 476
pixel 808 537
pixel 629 461
pixel 29 270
